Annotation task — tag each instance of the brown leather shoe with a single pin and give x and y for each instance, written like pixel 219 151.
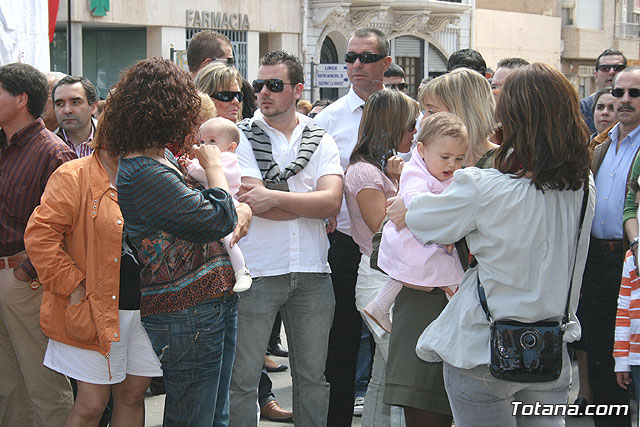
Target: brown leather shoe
pixel 273 412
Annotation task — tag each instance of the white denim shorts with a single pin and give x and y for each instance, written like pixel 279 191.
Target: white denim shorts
pixel 133 355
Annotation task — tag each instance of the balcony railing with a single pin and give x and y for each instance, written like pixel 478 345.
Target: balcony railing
pixel 627 30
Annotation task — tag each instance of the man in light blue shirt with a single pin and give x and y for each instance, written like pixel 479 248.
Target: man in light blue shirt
pixel 612 163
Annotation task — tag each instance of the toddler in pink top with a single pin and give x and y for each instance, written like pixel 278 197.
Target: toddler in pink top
pixel 223 133
pixel 441 148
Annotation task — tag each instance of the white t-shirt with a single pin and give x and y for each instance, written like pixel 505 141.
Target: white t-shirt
pixel 342 120
pixel 299 245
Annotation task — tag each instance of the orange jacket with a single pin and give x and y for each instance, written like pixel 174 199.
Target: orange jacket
pixel 76 234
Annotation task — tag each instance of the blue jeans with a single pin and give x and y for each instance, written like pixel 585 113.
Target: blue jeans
pixel 365 361
pixel 635 375
pixel 306 303
pixel 196 347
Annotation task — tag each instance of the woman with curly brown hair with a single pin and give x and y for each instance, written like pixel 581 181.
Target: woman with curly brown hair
pixel 522 222
pixel 187 306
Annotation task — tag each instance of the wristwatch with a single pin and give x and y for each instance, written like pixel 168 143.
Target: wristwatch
pixel 634 244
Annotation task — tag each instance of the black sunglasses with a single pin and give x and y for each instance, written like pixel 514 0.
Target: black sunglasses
pixel 274 85
pixel 365 58
pixel 396 86
pixel 229 61
pixel 608 67
pixel 619 92
pixel 227 96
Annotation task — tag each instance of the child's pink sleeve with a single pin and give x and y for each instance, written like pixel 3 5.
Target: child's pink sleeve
pixel 413 183
pixel 195 171
pixel 232 171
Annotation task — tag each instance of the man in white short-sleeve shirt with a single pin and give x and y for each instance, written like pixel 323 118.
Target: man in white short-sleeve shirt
pixel 292 180
pixel 367 59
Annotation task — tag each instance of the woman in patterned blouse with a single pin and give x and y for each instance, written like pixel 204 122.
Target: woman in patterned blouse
pixel 187 306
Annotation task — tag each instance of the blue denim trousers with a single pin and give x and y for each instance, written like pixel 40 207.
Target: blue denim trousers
pixel 196 347
pixel 306 303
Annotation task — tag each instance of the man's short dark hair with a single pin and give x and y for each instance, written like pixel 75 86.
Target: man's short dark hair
pixel 205 44
pixel 383 42
pixel 611 52
pixel 17 78
pixel 90 90
pixel 394 70
pixel 513 62
pixel 467 58
pixel 296 75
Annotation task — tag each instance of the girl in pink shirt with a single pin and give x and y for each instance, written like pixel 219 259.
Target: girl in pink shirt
pixel 441 149
pixel 224 134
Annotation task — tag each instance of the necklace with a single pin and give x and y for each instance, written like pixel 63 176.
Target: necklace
pixel 104 159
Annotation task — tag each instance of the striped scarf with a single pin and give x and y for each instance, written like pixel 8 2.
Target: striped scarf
pixel 272 176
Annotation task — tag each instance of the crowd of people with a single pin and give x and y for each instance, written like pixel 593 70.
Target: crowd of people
pixel 169 230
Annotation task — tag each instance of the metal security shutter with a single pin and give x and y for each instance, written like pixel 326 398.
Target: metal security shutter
pixel 408 46
pixel 238 43
pixel 437 63
pixel 106 53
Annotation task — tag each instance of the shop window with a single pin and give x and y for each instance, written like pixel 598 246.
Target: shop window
pixel 105 54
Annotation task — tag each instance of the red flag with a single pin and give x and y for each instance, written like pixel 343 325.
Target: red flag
pixel 53 13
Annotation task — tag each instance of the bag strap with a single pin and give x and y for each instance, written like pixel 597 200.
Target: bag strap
pixel 565 318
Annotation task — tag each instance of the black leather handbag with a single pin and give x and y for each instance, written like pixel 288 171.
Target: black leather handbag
pixel 529 352
pixel 375 247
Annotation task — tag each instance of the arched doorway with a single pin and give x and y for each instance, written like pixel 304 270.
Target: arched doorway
pixel 329 55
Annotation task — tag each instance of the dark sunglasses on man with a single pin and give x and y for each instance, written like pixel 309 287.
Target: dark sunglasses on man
pixel 396 86
pixel 607 67
pixel 365 58
pixel 227 96
pixel 274 85
pixel 228 61
pixel 619 92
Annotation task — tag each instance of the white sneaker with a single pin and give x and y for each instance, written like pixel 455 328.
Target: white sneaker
pixel 358 405
pixel 243 280
pixel 382 318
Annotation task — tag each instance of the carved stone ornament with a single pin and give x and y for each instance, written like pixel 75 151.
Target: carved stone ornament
pixel 439 22
pixel 411 20
pixel 364 17
pixel 332 15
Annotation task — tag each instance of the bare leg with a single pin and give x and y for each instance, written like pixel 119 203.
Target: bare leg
pixel 128 401
pixel 89 405
pixel 583 371
pixel 415 417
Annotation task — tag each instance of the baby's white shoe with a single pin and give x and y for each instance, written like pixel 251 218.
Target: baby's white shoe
pixel 243 280
pixel 383 319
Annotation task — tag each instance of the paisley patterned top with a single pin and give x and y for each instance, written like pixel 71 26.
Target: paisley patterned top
pixel 177 232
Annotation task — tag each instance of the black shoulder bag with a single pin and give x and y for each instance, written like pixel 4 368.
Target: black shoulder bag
pixel 529 352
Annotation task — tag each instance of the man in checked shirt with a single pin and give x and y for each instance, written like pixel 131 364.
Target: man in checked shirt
pixel 30 393
pixel 75 101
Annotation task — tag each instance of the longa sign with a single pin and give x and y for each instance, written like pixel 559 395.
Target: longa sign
pixel 221 20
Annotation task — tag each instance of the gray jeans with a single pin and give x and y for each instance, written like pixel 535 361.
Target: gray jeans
pixel 306 303
pixel 479 399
